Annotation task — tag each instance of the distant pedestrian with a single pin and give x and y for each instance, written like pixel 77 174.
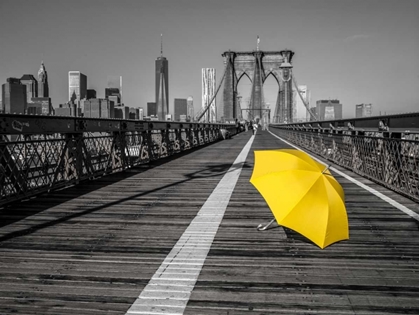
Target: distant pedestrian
pixel 254 128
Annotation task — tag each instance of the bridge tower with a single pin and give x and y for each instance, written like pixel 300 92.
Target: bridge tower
pixel 229 87
pixel 257 66
pixel 283 112
pixel 257 98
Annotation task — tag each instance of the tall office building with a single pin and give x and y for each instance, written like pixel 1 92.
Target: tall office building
pixel 40 106
pixel 39 101
pixel 329 110
pixel 151 109
pixel 31 86
pixel 114 89
pixel 300 113
pixel 90 93
pixel 122 112
pixel 113 92
pixel 77 86
pixel 134 113
pixel 162 92
pixel 43 89
pixel 190 108
pixel 180 108
pixel 208 90
pixel 14 98
pixel 97 108
pixel 162 88
pixel 363 110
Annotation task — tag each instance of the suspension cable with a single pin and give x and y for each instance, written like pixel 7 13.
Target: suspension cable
pixel 262 91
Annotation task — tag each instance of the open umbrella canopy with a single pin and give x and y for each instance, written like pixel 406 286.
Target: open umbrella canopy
pixel 302 194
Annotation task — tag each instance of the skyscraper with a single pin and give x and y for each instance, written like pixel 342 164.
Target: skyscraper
pixel 43 89
pixel 300 113
pixel 329 110
pixel 180 108
pixel 363 110
pixel 114 88
pixel 90 93
pixel 208 89
pixel 14 97
pixel 77 86
pixel 31 86
pixel 162 88
pixel 37 93
pixel 190 108
pixel 151 109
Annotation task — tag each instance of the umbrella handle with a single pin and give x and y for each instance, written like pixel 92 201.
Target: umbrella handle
pixel 262 227
pixel 326 169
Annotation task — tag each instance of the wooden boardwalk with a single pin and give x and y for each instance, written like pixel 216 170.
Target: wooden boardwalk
pixel 93 248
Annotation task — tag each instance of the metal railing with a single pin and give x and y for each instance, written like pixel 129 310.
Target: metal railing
pixel 387 155
pixel 42 153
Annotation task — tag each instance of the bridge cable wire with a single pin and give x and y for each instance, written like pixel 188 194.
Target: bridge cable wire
pixel 304 102
pixel 262 105
pixel 204 111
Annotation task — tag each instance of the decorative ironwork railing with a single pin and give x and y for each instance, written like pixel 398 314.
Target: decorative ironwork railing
pixel 41 153
pixel 388 155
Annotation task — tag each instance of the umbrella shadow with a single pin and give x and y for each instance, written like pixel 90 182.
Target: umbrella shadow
pixel 293 235
pixel 290 234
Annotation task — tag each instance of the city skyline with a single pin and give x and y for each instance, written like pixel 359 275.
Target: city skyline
pixel 354 51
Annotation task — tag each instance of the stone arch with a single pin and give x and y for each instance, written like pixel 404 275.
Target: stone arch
pixel 243 90
pixel 275 75
pixel 241 76
pixel 272 95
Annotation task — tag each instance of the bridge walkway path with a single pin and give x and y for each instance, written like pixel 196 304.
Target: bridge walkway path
pixel 94 248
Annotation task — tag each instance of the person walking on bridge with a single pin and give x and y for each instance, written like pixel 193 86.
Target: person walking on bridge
pixel 237 125
pixel 254 128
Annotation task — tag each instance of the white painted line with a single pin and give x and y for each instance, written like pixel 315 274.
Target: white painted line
pixel 164 294
pixel 154 301
pixel 392 202
pixel 171 283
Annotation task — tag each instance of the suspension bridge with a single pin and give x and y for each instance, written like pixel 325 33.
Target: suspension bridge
pixel 257 66
pixel 138 217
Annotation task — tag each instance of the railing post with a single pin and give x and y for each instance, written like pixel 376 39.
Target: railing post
pixel 9 169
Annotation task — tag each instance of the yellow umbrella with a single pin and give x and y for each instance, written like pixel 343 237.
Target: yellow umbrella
pixel 302 194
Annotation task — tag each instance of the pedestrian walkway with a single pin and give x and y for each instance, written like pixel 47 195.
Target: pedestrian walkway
pixel 98 248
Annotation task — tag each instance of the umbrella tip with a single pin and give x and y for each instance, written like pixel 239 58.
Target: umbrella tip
pixel 326 169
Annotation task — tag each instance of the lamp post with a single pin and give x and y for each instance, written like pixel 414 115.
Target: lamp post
pixel 238 107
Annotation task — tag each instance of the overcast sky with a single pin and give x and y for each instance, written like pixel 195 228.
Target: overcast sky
pixel 354 51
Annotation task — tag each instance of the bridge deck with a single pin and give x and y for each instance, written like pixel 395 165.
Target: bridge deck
pixel 93 248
